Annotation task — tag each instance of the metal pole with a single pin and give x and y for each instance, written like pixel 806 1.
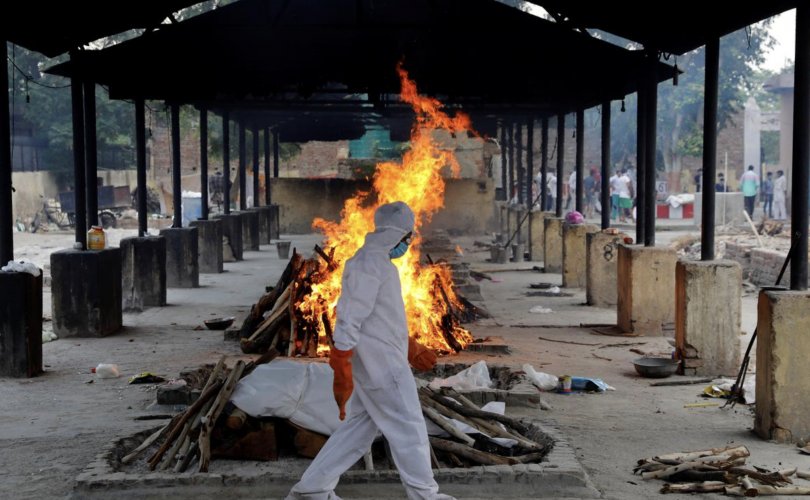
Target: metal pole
pixel 519 163
pixel 267 198
pixel 242 168
pixel 90 152
pixel 177 192
pixel 709 148
pixel 530 196
pixel 6 223
pixel 204 163
pixel 544 164
pixel 580 160
pixel 510 159
pixel 605 180
pixel 140 160
pixel 650 124
pixel 560 159
pixel 79 181
pixel 801 151
pixel 255 132
pixel 641 163
pixel 226 162
pixel 275 152
pixel 504 165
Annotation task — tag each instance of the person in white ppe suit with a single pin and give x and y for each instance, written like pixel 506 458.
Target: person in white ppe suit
pixel 372 328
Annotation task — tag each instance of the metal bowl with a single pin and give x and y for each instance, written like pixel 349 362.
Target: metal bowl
pixel 656 367
pixel 219 323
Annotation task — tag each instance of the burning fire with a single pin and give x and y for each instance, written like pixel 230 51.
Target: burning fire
pixel 417 181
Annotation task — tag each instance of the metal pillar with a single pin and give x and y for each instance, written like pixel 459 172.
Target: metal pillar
pixel 275 152
pixel 560 158
pixel 6 223
pixel 544 165
pixel 79 180
pixel 226 162
pixel 504 165
pixel 267 198
pixel 242 168
pixel 604 195
pixel 580 160
pixel 90 152
pixel 641 163
pixel 519 163
pixel 204 163
pixel 140 161
pixel 801 151
pixel 650 124
pixel 255 132
pixel 530 196
pixel 177 190
pixel 510 159
pixel 709 148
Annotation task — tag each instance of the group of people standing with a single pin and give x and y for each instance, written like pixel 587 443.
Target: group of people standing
pixel 590 187
pixel 772 191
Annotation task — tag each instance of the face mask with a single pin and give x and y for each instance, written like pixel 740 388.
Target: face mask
pixel 399 250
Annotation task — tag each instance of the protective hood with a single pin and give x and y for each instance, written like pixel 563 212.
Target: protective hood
pixel 392 221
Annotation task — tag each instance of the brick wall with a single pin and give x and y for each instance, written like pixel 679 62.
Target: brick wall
pixel 760 266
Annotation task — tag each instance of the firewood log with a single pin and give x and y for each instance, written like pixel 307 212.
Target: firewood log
pixel 447 426
pixel 691 455
pixel 477 456
pixel 703 487
pixel 211 417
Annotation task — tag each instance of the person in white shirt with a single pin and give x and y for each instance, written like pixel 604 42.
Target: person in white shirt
pixel 551 184
pixel 572 188
pixel 625 197
pixel 615 186
pixel 779 196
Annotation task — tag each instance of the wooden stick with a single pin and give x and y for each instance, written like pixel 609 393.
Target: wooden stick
pixel 210 418
pixel 741 451
pixel 669 471
pixel 434 460
pixel 465 451
pixel 754 229
pixel 748 487
pixel 702 487
pixel 149 440
pixel 681 382
pixel 187 458
pixel 803 475
pixel 569 342
pixel 773 478
pixel 277 312
pixel 447 426
pixel 475 412
pixel 529 457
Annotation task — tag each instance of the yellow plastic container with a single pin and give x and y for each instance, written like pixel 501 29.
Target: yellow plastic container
pixel 96 239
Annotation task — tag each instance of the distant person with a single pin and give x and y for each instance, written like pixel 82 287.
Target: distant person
pixel 720 186
pixel 698 179
pixel 615 186
pixel 749 184
pixel 589 186
pixel 625 197
pixel 779 196
pixel 572 188
pixel 551 185
pixel 767 195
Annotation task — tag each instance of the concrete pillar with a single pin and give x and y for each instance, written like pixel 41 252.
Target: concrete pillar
pixel 209 245
pixel 20 324
pixel 265 215
pixel 274 223
pixel 232 231
pixel 503 210
pixel 86 292
pixel 143 272
pixel 552 244
pixel 250 230
pixel 574 254
pixel 783 374
pixel 601 268
pixel 707 316
pixel 536 232
pixel 646 288
pixel 182 269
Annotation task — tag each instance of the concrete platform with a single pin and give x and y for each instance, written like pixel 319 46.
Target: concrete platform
pixel 232 230
pixel 601 268
pixel 209 246
pixel 536 234
pixel 574 263
pixel 250 230
pixel 646 286
pixel 143 272
pixel 182 269
pixel 553 244
pixel 20 324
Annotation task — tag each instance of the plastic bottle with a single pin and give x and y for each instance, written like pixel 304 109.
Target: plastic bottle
pixel 96 239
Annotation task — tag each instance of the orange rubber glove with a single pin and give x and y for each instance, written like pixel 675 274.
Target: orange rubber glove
pixel 419 356
pixel 343 385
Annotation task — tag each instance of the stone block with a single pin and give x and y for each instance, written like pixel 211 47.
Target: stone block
pixel 143 272
pixel 86 292
pixel 265 215
pixel 707 315
pixel 209 245
pixel 232 231
pixel 250 230
pixel 783 373
pixel 553 244
pixel 536 232
pixel 601 268
pixel 20 324
pixel 646 289
pixel 574 254
pixel 182 269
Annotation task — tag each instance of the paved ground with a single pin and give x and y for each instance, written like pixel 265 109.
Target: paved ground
pixel 52 426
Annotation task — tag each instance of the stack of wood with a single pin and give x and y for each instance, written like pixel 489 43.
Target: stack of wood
pixel 276 322
pixel 720 470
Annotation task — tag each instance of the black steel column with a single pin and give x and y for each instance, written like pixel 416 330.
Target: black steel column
pixel 226 162
pixel 267 199
pixel 242 168
pixel 604 197
pixel 560 159
pixel 177 189
pixel 580 160
pixel 519 163
pixel 255 132
pixel 650 124
pixel 641 162
pixel 90 152
pixel 530 196
pixel 709 148
pixel 275 152
pixel 140 161
pixel 510 159
pixel 79 180
pixel 204 163
pixel 504 165
pixel 801 151
pixel 544 164
pixel 6 223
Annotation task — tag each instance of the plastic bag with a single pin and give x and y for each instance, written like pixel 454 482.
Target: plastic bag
pixel 474 377
pixel 543 381
pixel 104 370
pixel 540 310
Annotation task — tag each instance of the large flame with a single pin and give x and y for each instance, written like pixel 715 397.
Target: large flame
pixel 417 181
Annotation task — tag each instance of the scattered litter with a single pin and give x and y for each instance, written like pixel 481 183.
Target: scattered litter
pixel 540 310
pixel 48 337
pixel 474 377
pixel 588 384
pixel 146 378
pixel 723 389
pixel 543 381
pixel 700 405
pixel 21 266
pixel 105 370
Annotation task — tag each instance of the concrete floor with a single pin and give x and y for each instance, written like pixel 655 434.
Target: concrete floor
pixel 52 426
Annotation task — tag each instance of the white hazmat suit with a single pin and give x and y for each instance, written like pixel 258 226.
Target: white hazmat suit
pixel 371 321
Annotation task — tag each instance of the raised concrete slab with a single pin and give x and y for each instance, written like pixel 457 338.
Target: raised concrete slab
pixel 20 324
pixel 553 244
pixel 265 215
pixel 536 234
pixel 86 292
pixel 601 268
pixel 232 230
pixel 783 373
pixel 209 245
pixel 707 316
pixel 646 287
pixel 574 273
pixel 143 272
pixel 250 230
pixel 182 269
